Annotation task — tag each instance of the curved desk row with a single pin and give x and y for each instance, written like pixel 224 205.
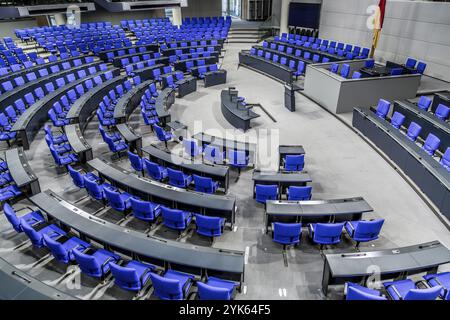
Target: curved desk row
pixel 163 102
pixel 32 120
pixel 149 47
pixel 21 172
pixel 213 205
pixel 215 172
pixel 282 179
pixel 181 64
pixel 185 86
pixel 8 98
pixel 431 177
pixel 225 144
pixel 147 72
pixel 164 253
pixel 117 61
pixel 84 107
pixel 130 101
pixel 17 285
pixel 272 69
pixel 313 211
pixel 24 71
pixel 332 57
pixel 171 51
pixel 78 143
pixel 283 54
pixel 428 121
pixel 236 113
pixel 388 264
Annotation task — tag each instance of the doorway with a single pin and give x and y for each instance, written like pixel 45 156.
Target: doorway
pixel 231 8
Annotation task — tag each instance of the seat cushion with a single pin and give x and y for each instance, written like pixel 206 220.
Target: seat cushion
pixel 402 286
pixel 182 277
pixel 220 283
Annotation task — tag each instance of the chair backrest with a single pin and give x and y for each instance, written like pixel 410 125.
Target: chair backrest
pixel 207 292
pixel 93 189
pixel 421 66
pixel 142 209
pixel 445 160
pixel 410 62
pixel 397 119
pixel 203 184
pixel 57 249
pixel 153 169
pixel 396 71
pixel 173 216
pixel 87 263
pixel 124 277
pixel 423 294
pixel 266 192
pixel 431 144
pixel 355 294
pixel 370 63
pixel 368 230
pixel 12 217
pixel 442 112
pixel 299 193
pixel 176 177
pixel 288 233
pixel 356 75
pixel 207 223
pixel 34 236
pixel 135 160
pixel 168 289
pixel 328 232
pixel 334 68
pixel 76 176
pixel 383 108
pixel 345 70
pixel 294 162
pixel 413 131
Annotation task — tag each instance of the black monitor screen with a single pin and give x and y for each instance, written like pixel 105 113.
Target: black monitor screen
pixel 306 15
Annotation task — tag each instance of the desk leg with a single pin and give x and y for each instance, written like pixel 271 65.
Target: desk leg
pixel 326 278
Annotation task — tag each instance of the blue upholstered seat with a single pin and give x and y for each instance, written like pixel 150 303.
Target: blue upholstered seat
pixel 266 192
pixel 145 210
pixel 154 170
pixel 325 233
pixel 364 231
pixel 357 292
pixel 33 218
pixel 172 285
pixel 383 108
pixel 294 162
pixel 299 193
pixel 95 265
pixel 407 290
pixel 176 219
pixel 63 251
pixel 178 179
pixel 287 233
pixel 216 289
pixel 132 276
pixel 205 184
pixel 209 226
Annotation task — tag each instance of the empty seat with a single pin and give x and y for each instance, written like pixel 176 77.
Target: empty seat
pixel 33 218
pixel 294 162
pixel 145 210
pixel 383 108
pixel 209 226
pixel 397 119
pixel 132 276
pixel 363 231
pixel 176 219
pixel 357 292
pixel 154 170
pixel 407 290
pixel 205 184
pixel 325 233
pixel 178 179
pixel 345 70
pixel 172 285
pixel 440 280
pixel 36 236
pixel 136 162
pixel 424 103
pixel 117 200
pixel 442 112
pixel 445 159
pixel 63 252
pixel 216 289
pixel 95 265
pixel 299 193
pixel 266 192
pixel 431 144
pixel 413 131
pixel 411 63
pixel 286 233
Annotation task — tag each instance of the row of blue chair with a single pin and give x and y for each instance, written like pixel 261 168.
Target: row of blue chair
pixel 130 275
pixel 139 57
pixel 431 143
pixel 315 58
pixel 298 66
pixel 8 188
pixel 147 105
pixel 327 233
pixel 265 192
pixel 131 50
pixel 442 112
pixel 432 286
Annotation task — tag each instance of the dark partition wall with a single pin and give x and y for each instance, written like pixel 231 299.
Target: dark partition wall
pixel 304 15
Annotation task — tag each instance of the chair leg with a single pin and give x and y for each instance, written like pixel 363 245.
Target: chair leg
pixel 284 253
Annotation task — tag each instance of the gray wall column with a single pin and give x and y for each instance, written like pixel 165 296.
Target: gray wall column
pixel 284 16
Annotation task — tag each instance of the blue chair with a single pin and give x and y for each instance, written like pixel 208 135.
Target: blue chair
pixel 209 226
pixel 162 134
pixel 397 120
pixel 286 233
pixel 191 148
pixel 442 112
pixel 78 178
pixel 383 108
pixel 424 103
pixel 410 63
pixel 413 131
pixel 213 154
pixel 440 280
pixel 369 63
pixel 94 189
pixel 32 218
pixel 63 251
pixel 216 289
pixel 445 159
pixel 154 170
pixel 95 265
pixel 136 162
pixel 299 193
pixel 407 290
pixel 396 71
pixel 431 144
pixel 205 184
pixel 356 75
pixel 172 285
pixel 36 237
pixel 9 192
pixel 178 179
pixel 325 233
pixel 345 70
pixel 266 192
pixel 176 219
pixel 145 210
pixel 363 231
pixel 133 276
pixel 357 292
pixel 294 162
pixel 334 68
pixel 238 159
pixel 421 66
pixel 118 201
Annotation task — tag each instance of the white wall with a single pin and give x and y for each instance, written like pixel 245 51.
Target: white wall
pixel 7 27
pixel 411 28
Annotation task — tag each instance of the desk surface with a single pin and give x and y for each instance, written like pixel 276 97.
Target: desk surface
pixel 281 177
pixel 318 207
pixel 18 285
pixel 237 108
pixel 161 190
pixel 138 242
pixel 416 257
pixel 76 138
pixel 18 167
pixel 199 167
pixel 290 149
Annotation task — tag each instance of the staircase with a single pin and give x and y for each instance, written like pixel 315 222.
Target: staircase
pixel 245 35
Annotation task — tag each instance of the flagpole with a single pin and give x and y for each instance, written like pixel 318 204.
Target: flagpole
pixel 374 42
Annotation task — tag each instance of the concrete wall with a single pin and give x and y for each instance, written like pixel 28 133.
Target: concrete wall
pixel 202 8
pixel 102 15
pixel 411 28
